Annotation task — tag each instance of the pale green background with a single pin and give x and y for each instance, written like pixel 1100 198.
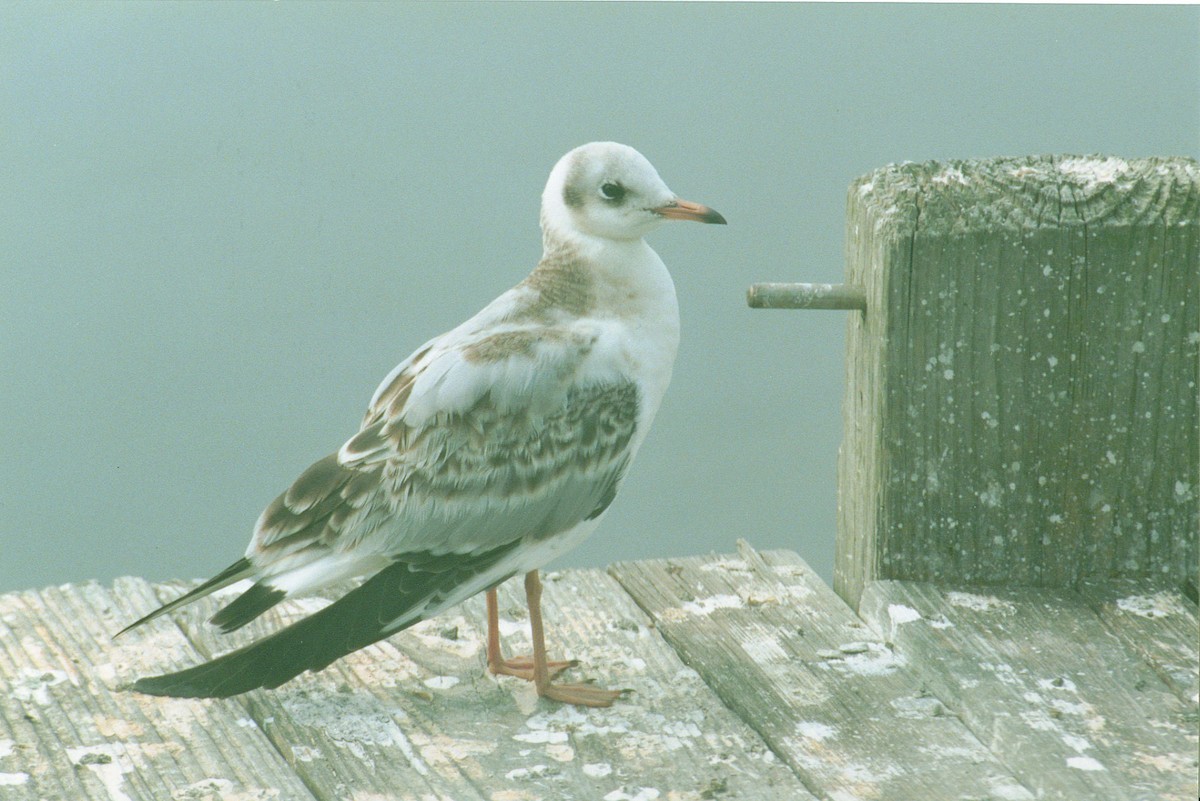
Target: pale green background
pixel 221 225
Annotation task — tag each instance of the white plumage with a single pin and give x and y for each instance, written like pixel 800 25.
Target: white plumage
pixel 491 450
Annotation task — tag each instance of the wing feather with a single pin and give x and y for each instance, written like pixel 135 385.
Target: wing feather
pixel 496 438
pixel 395 598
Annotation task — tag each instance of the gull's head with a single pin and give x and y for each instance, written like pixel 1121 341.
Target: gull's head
pixel 610 191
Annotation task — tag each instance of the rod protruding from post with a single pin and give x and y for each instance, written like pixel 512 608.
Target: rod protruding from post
pixel 806 296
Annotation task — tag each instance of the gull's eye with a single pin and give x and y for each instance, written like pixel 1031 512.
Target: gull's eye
pixel 611 191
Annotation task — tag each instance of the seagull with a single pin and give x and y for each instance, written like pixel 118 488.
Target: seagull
pixel 491 450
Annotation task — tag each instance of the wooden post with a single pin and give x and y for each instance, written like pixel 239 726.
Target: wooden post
pixel 1021 399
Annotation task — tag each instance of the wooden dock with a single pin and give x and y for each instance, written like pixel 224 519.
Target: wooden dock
pixel 1015 614
pixel 749 679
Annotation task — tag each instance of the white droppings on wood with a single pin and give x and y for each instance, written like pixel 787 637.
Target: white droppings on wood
pixel 1002 672
pixel 541 736
pixel 992 495
pixel 1003 788
pixel 531 772
pixel 978 603
pixel 706 606
pixel 734 565
pixel 221 789
pixel 1160 604
pixel 1061 683
pixel 467 641
pixel 633 794
pixel 1076 743
pixel 915 707
pixel 108 761
pixel 33 685
pixel 950 175
pixel 351 721
pixel 456 752
pixel 560 752
pixel 572 719
pixel 119 728
pixel 900 614
pixel 875 660
pixel 1091 172
pixel 680 729
pixel 1080 709
pixel 815 730
pixel 441 682
pixel 11 779
pixel 178 717
pixel 764 649
pixel 305 753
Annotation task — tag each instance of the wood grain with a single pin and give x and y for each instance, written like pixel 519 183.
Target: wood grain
pixel 852 717
pixel 68 730
pixel 1040 679
pixel 1159 623
pixel 1021 396
pixel 418 716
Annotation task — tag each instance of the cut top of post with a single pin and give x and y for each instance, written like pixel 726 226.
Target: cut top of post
pixel 960 197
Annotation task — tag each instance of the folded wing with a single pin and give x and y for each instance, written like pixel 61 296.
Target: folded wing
pixel 467 454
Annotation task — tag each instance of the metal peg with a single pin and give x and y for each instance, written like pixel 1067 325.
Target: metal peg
pixel 806 296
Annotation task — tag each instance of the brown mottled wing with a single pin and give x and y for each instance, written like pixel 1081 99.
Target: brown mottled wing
pixel 498 466
pixel 316 508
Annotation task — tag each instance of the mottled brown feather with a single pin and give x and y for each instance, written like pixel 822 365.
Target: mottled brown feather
pixel 480 453
pixel 391 399
pixel 562 284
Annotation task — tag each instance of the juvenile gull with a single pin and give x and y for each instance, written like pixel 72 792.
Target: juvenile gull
pixel 490 451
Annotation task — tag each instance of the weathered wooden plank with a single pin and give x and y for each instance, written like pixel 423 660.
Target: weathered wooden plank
pixel 1037 676
pixel 68 732
pixel 1021 397
pixel 1157 622
pixel 419 717
pixel 783 651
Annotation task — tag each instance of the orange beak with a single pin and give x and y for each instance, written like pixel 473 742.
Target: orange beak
pixel 686 210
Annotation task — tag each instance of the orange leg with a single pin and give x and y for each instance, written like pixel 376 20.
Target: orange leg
pixel 578 694
pixel 520 666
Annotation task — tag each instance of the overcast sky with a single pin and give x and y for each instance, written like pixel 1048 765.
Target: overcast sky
pixel 222 224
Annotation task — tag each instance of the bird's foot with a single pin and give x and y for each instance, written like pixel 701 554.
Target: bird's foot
pixel 522 666
pixel 580 694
